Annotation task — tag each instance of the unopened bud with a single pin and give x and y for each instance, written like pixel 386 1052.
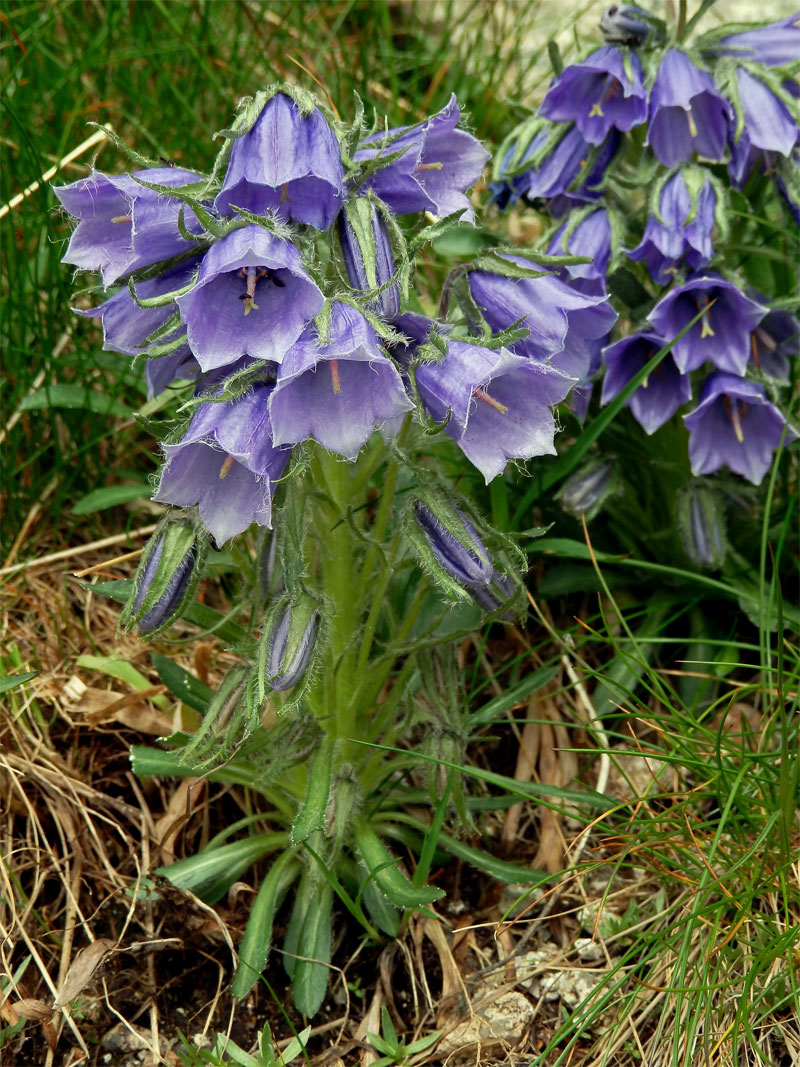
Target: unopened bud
pixel 702 526
pixel 587 491
pixel 166 576
pixel 462 556
pixel 368 256
pixel 290 645
pixel 631 25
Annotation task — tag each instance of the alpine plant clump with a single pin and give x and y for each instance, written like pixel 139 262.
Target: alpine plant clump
pixel 315 423
pixel 672 167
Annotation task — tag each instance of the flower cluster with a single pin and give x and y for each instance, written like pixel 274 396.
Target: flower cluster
pixel 654 151
pixel 278 287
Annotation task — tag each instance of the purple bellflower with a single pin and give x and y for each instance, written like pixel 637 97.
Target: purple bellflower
pixel 660 394
pixel 123 225
pixel 252 297
pixel 669 239
pixel 597 95
pixel 564 326
pixel 371 267
pixel 508 188
pixel 734 425
pixel 555 176
pixel 722 333
pixel 438 165
pixel 774 342
pixel 289 164
pixel 768 125
pixel 774 45
pixel 687 114
pixel 591 237
pixel 338 392
pixel 225 465
pixel 499 403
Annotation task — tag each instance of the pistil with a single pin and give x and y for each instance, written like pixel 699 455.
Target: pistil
pixel 335 380
pixel 226 466
pixel 479 394
pixel 706 330
pixel 736 413
pixel 121 218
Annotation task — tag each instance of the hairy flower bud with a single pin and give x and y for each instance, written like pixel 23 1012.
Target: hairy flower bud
pixel 586 492
pixel 166 577
pixel 290 645
pixel 461 556
pixel 702 528
pixel 630 25
pixel 368 256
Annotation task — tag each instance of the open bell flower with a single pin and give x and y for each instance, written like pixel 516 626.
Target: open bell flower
pixel 774 342
pixel 122 225
pixel 289 164
pixel 687 114
pixel 225 465
pixel 735 426
pixel 768 124
pixel 722 333
pixel 774 45
pixel 338 392
pixel 439 164
pixel 660 394
pixel 669 239
pixel 597 95
pixel 252 297
pixel 591 237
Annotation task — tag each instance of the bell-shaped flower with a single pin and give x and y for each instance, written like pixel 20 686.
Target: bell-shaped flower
pixel 597 94
pixel 734 425
pixel 367 254
pixel 252 297
pixel 774 45
pixel 559 170
pixel 225 465
pixel 499 403
pixel 687 114
pixel 439 163
pixel 337 392
pixel 288 163
pixel 123 225
pixel 669 239
pixel 564 326
pixel 590 237
pixel 660 394
pixel 768 126
pixel 774 342
pixel 721 334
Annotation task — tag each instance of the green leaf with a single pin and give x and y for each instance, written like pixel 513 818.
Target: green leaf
pixel 116 667
pixel 310 979
pixel 255 946
pixel 74 396
pixel 383 868
pixel 110 497
pixel 181 683
pixel 311 815
pixel 212 872
pixel 13 681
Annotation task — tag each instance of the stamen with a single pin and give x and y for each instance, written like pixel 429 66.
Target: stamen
pixel 692 124
pixel 429 166
pixel 284 194
pixel 335 380
pixel 252 274
pixel 479 394
pixel 226 466
pixel 767 340
pixel 706 330
pixel 754 346
pixel 736 415
pixel 121 218
pixel 596 110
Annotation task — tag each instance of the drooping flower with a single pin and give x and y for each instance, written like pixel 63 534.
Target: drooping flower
pixel 773 45
pixel 768 124
pixel 564 326
pixel 597 95
pixel 591 237
pixel 687 114
pixel 368 256
pixel 721 335
pixel 337 392
pixel 669 239
pixel 499 403
pixel 439 163
pixel 288 163
pixel 225 465
pixel 512 179
pixel 660 394
pixel 252 297
pixel 774 342
pixel 560 168
pixel 734 425
pixel 122 225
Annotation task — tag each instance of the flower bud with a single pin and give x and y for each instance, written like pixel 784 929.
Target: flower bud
pixel 290 645
pixel 495 595
pixel 587 491
pixel 631 25
pixel 166 576
pixel 367 254
pixel 702 528
pixel 456 548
